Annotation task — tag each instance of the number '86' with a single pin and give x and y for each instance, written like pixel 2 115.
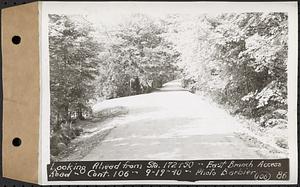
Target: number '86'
pixel 282 175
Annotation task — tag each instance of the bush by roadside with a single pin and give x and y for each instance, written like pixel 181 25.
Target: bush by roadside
pixel 66 138
pixel 62 137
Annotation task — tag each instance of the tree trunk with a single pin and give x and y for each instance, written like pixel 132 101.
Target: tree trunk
pixel 79 113
pixel 67 117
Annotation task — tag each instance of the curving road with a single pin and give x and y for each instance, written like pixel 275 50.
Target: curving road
pixel 170 123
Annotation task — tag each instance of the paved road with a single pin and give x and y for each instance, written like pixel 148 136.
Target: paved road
pixel 170 123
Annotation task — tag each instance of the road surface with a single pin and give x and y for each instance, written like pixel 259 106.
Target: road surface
pixel 170 123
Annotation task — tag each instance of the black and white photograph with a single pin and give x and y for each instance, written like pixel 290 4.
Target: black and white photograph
pixel 142 82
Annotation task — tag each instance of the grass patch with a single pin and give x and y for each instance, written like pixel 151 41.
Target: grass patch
pixel 74 141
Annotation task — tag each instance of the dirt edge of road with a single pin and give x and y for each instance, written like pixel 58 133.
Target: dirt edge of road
pixel 264 149
pixel 94 132
pixel 79 148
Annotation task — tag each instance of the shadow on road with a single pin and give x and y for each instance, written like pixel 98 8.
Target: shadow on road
pixel 170 90
pixel 172 86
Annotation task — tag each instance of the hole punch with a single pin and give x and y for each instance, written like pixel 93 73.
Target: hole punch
pixel 16 40
pixel 16 142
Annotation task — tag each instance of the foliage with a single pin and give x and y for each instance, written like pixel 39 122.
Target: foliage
pixel 241 60
pixel 73 67
pixel 73 56
pixel 139 59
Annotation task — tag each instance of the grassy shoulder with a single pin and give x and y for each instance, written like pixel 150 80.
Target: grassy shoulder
pixel 75 141
pixel 269 134
pixel 273 140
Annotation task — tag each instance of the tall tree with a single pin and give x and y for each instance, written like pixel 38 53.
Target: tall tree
pixel 73 66
pixel 140 54
pixel 240 60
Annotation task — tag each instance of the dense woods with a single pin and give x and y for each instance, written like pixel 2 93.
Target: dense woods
pixel 137 59
pixel 239 60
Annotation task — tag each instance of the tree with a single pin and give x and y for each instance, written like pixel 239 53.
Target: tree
pixel 73 66
pixel 240 60
pixel 138 51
